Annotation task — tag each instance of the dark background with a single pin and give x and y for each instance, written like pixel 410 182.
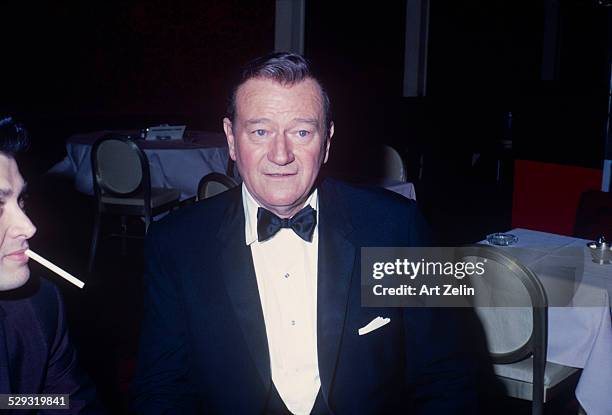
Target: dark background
pixel 73 66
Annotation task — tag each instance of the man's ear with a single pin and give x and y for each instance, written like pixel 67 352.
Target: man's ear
pixel 229 135
pixel 328 143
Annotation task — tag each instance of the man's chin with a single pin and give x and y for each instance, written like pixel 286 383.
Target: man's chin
pixel 13 282
pixel 282 204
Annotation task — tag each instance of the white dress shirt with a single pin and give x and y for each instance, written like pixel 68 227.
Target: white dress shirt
pixel 286 270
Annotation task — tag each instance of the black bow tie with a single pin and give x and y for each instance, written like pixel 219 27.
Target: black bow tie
pixel 302 223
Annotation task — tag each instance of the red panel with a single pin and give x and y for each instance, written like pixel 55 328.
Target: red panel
pixel 546 195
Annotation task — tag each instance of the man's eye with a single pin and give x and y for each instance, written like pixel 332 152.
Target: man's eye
pixel 303 133
pixel 23 198
pixel 260 132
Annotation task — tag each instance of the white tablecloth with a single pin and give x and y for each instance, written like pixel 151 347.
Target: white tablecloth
pixel 177 164
pixel 578 336
pixel 405 189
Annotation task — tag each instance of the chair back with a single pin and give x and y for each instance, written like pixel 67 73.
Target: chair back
pixel 394 167
pixel 214 183
pixel 594 215
pixel 510 301
pixel 513 333
pixel 120 167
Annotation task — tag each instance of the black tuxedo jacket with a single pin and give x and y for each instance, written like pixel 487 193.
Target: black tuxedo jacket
pixel 36 356
pixel 203 343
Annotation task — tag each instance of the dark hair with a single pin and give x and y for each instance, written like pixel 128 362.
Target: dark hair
pixel 13 137
pixel 286 69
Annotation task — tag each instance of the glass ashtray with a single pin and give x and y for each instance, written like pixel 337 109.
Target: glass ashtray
pixel 502 239
pixel 601 252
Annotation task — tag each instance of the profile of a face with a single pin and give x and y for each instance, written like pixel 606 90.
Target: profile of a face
pixel 278 141
pixel 15 227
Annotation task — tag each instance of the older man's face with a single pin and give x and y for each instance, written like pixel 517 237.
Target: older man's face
pixel 278 141
pixel 15 227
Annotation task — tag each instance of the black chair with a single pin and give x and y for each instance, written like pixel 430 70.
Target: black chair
pixel 515 321
pixel 594 215
pixel 214 183
pixel 122 186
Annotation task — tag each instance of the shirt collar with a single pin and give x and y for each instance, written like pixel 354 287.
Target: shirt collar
pixel 250 206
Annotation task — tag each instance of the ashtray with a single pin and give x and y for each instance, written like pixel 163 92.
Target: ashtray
pixel 502 239
pixel 601 251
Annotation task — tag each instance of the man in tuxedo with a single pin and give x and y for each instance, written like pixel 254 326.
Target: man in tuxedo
pixel 252 300
pixel 36 356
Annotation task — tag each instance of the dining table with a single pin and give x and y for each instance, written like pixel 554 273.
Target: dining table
pixel 579 324
pixel 403 188
pixel 178 164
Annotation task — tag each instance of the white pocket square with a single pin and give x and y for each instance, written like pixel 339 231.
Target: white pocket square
pixel 377 323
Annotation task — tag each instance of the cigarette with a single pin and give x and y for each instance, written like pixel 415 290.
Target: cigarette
pixel 54 268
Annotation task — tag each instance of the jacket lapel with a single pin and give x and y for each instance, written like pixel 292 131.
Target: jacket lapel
pixel 241 284
pixel 336 263
pixel 5 385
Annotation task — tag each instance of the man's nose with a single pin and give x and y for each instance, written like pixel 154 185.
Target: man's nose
pixel 281 152
pixel 22 226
